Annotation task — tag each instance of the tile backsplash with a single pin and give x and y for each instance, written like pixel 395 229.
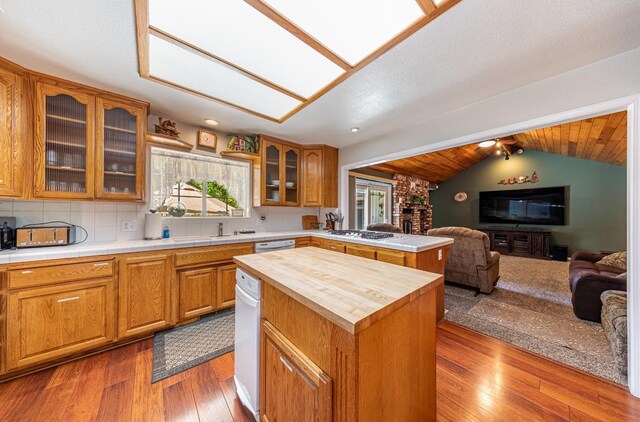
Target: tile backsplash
pixel 103 220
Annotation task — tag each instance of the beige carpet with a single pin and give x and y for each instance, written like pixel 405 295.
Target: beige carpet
pixel 531 308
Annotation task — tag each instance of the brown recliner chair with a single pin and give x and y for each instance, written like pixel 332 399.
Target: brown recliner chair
pixel 384 227
pixel 470 261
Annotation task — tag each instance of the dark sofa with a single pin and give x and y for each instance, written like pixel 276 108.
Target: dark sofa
pixel 589 280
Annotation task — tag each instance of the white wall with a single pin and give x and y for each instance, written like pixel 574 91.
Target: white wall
pixel 615 77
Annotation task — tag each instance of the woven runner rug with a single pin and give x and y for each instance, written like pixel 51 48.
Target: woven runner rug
pixel 181 348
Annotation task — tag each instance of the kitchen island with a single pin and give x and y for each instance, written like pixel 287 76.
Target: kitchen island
pixel 344 338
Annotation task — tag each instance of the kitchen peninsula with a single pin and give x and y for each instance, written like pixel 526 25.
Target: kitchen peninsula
pixel 361 346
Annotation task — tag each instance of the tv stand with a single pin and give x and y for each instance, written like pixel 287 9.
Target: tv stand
pixel 518 241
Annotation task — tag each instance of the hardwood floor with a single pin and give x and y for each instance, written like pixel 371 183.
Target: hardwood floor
pixel 479 379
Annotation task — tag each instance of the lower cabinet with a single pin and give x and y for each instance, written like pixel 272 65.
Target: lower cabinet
pixel 226 285
pixel 206 289
pixel 293 387
pixel 198 292
pixel 146 294
pixel 51 322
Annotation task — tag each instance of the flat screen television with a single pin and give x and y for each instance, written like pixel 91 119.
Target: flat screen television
pixel 524 206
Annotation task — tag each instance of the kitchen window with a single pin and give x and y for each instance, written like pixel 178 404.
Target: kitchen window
pixel 199 185
pixel 373 203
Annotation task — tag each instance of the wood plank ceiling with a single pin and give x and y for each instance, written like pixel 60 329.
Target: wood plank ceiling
pixel 602 138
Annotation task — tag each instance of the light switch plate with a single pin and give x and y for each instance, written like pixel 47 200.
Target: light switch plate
pixel 127 226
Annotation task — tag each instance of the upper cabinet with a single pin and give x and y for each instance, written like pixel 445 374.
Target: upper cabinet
pixel 320 176
pixel 12 131
pixel 295 175
pixel 64 143
pixel 280 173
pixel 120 151
pixel 62 140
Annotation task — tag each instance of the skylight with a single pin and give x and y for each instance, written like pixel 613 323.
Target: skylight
pixel 353 29
pixel 270 58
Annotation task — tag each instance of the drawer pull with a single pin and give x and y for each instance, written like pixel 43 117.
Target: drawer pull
pixel 286 364
pixel 101 264
pixel 68 299
pixel 27 272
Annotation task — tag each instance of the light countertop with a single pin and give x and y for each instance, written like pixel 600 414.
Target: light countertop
pixel 402 242
pixel 350 291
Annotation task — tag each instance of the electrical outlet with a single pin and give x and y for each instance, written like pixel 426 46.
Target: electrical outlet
pixel 439 254
pixel 127 226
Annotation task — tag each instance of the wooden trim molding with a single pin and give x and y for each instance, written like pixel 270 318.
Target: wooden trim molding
pixel 427 6
pixel 633 245
pixel 143 31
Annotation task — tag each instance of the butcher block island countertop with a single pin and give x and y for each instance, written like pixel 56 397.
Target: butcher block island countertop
pixel 344 338
pixel 350 291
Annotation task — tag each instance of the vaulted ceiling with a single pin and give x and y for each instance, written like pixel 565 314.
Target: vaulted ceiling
pixel 602 138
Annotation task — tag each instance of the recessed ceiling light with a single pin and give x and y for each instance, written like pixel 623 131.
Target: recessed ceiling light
pixel 211 122
pixel 487 144
pixel 355 129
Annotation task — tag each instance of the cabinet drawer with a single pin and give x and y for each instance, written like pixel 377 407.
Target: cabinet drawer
pixel 334 246
pixel 391 257
pixel 38 276
pixel 212 254
pixel 361 251
pixel 51 322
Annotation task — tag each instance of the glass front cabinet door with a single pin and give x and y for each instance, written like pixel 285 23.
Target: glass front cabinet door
pixel 272 175
pixel 119 150
pixel 291 180
pixel 64 143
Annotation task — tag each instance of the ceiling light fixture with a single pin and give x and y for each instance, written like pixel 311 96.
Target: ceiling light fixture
pixel 211 122
pixel 487 144
pixel 355 129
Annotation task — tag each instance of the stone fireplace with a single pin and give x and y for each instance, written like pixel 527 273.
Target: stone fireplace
pixel 411 208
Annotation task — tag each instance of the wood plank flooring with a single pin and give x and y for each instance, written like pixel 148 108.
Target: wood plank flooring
pixel 479 379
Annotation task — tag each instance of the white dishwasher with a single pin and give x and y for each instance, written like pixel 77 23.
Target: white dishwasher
pixel 247 335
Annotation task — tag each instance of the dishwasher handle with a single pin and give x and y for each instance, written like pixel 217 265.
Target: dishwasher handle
pixel 245 298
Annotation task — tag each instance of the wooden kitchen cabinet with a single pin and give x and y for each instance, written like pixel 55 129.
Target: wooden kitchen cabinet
pixel 280 172
pixel 64 143
pixel 320 176
pixel 120 150
pixel 198 292
pixel 146 294
pixel 226 286
pixel 51 322
pixel 13 119
pixel 362 251
pixel 293 388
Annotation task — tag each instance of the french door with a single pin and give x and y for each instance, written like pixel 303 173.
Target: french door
pixel 373 203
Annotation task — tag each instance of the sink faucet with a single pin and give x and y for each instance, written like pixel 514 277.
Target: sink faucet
pixel 220 229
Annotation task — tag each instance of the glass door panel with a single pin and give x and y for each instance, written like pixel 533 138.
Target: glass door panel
pixel 360 207
pixel 378 206
pixel 292 168
pixel 119 153
pixel 65 137
pixel 272 174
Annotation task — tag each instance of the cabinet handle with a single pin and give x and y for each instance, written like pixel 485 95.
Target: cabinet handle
pixel 286 364
pixel 68 299
pixel 100 264
pixel 27 272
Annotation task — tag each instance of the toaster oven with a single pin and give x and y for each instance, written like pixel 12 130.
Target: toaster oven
pixel 39 236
